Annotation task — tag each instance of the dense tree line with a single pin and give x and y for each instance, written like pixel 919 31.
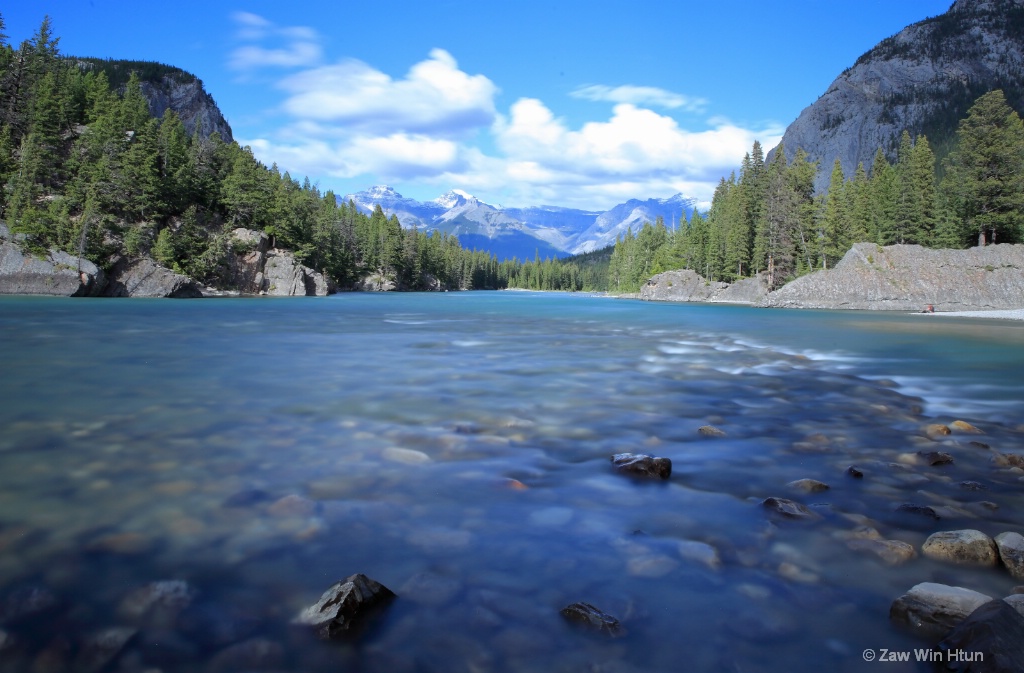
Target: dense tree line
pixel 86 169
pixel 768 219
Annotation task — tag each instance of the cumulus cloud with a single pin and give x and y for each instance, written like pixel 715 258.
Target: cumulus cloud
pixel 639 95
pixel 435 96
pixel 350 121
pixel 301 44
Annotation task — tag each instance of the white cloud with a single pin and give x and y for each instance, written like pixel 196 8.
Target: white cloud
pixel 301 48
pixel 435 96
pixel 353 122
pixel 639 95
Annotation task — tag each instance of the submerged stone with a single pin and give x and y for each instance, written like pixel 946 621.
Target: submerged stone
pixel 642 465
pixel 589 617
pixel 964 426
pixel 710 431
pixel 892 552
pixel 345 607
pixel 934 458
pixel 789 509
pixel 808 485
pixel 922 510
pixel 99 649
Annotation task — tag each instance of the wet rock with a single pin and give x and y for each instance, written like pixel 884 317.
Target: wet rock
pixel 1011 552
pixel 1008 460
pixel 1016 601
pixel 710 431
pixel 247 498
pixel 642 465
pixel 892 552
pixel 157 604
pixel 700 552
pixel 964 426
pixel 788 509
pixel 854 472
pixel 213 626
pixel 29 604
pixel 795 573
pixel 972 486
pixel 345 607
pixel 934 458
pixel 808 485
pixel 962 546
pixel 936 430
pixel 932 610
pixel 589 617
pixel 650 565
pixel 922 510
pixel 255 654
pixel 99 649
pixel 989 640
pixel 515 485
pixel 979 445
pixel 292 505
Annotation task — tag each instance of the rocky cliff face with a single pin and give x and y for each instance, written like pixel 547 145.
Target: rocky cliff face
pixel 190 101
pixel 255 268
pixel 686 285
pixel 923 80
pixel 909 277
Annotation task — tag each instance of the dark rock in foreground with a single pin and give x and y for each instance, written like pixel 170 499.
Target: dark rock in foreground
pixel 642 465
pixel 345 607
pixel 990 640
pixel 590 617
pixel 102 647
pixel 145 278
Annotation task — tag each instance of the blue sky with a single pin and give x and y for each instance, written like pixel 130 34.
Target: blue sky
pixel 520 103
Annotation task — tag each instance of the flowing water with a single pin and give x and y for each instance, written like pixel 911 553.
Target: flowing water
pixel 455 447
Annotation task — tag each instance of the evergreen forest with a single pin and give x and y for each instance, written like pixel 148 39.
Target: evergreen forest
pixel 85 168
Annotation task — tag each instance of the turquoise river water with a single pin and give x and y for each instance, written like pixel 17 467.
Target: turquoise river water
pixel 455 447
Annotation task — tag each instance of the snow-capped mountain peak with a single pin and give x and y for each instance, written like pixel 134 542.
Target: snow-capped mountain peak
pixel 382 192
pixel 453 198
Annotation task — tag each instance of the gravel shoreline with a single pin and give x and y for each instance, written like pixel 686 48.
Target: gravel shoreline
pixel 1008 314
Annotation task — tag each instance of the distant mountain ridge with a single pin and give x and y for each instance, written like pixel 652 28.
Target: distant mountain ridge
pixel 923 80
pixel 550 231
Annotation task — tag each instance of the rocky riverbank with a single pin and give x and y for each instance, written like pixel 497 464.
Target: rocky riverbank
pixel 252 268
pixel 872 277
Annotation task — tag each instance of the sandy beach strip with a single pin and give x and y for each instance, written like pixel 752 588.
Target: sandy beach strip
pixel 1007 314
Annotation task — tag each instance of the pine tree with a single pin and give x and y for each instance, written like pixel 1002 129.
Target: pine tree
pixel 984 181
pixel 835 226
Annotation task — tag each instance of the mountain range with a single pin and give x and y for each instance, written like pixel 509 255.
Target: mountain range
pixel 547 231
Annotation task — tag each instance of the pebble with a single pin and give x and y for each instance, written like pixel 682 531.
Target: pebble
pixel 710 431
pixel 964 426
pixel 936 430
pixel 700 552
pixel 808 485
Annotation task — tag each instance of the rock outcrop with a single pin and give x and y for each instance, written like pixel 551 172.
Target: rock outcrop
pixel 185 95
pixel 145 278
pixel 923 80
pixel 57 274
pixel 909 277
pixel 283 276
pixel 687 285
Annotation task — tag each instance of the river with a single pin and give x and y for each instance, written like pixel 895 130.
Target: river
pixel 456 447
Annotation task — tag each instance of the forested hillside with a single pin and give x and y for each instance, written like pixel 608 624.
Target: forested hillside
pixel 86 169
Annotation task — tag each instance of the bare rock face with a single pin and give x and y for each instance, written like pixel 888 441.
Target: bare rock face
pixel 283 276
pixel 687 285
pixel 931 71
pixel 345 607
pixel 185 94
pixel 932 610
pixel 145 278
pixel 246 264
pixel 910 277
pixel 56 274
